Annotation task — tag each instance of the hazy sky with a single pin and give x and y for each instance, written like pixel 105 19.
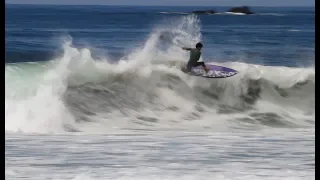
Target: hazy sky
pixel 172 2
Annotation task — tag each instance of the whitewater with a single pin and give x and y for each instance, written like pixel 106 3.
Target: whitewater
pixel 140 117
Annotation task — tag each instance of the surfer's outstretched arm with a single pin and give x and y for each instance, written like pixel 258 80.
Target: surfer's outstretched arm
pixel 187 49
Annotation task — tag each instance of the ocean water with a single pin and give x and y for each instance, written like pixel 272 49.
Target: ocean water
pixel 96 92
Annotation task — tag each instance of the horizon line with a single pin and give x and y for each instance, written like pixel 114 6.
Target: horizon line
pixel 152 5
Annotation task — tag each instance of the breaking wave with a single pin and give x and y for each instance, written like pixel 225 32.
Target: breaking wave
pixel 147 90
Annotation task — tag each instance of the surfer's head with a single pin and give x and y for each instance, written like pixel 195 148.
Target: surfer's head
pixel 199 45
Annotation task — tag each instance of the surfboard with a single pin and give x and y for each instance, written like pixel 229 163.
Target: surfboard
pixel 214 72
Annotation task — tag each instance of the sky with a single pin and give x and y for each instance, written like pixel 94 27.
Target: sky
pixel 172 2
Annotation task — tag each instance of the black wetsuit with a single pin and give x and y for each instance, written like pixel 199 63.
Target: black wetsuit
pixel 193 60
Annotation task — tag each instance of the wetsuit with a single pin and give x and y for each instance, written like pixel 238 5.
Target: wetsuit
pixel 193 60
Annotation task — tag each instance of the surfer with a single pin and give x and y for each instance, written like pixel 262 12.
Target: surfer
pixel 195 54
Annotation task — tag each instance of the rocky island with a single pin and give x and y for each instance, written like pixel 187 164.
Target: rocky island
pixel 243 9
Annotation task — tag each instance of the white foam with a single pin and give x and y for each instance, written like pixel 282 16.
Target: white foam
pixel 235 13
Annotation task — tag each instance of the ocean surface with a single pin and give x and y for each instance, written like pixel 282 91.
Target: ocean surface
pixel 96 92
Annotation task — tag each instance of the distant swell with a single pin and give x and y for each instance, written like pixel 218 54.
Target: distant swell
pixel 225 13
pixel 31 56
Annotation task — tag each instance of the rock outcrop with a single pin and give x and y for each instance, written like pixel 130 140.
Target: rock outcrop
pixel 242 9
